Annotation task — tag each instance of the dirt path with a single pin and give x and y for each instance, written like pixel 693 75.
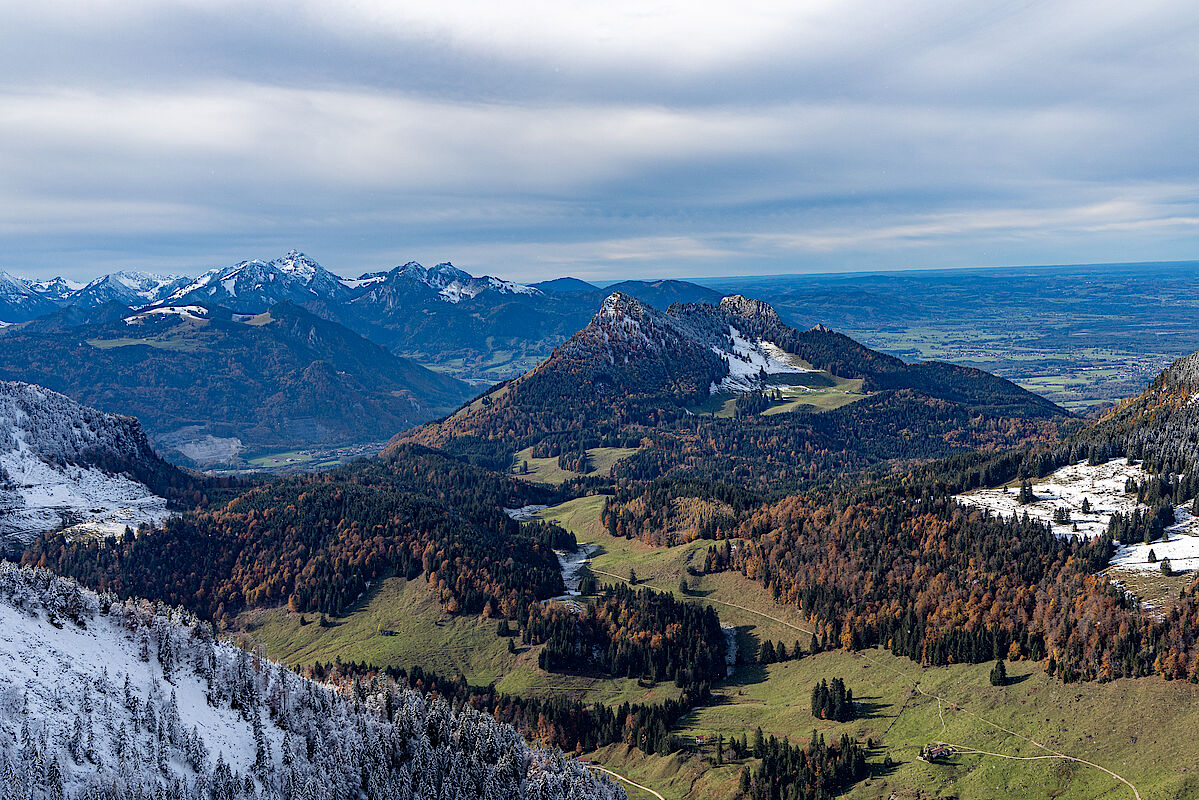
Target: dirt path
pixel 915 682
pixel 620 777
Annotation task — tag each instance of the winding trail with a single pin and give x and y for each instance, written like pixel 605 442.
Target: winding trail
pixel 620 777
pixel 915 682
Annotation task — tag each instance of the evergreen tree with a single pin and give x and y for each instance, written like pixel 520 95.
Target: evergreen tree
pixel 999 674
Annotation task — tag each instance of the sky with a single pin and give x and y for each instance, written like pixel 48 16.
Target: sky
pixel 604 140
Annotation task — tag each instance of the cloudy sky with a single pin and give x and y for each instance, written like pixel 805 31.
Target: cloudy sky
pixel 599 139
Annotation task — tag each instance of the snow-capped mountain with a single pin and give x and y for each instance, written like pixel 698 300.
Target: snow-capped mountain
pixel 57 289
pixel 122 700
pixel 20 302
pixel 444 281
pixel 62 463
pixel 132 289
pixel 254 286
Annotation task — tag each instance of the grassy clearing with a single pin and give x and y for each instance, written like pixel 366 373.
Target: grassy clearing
pixel 816 391
pixel 546 470
pixel 427 637
pixel 175 345
pixel 281 459
pixel 1135 727
pixel 1148 746
pixel 820 398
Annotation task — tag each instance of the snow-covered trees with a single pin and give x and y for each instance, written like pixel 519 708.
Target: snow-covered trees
pixel 83 717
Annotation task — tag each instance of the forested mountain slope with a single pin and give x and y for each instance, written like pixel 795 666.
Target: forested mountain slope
pixel 316 541
pixel 123 700
pixel 637 377
pixel 282 378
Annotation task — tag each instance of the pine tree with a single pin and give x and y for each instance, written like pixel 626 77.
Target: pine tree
pixel 999 674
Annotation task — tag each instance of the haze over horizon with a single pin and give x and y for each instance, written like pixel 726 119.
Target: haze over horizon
pixel 534 140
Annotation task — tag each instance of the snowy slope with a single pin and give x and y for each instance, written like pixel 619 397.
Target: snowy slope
pixel 132 289
pixel 139 701
pixel 20 302
pixel 256 285
pixel 751 360
pixel 1102 485
pixel 450 284
pixel 56 461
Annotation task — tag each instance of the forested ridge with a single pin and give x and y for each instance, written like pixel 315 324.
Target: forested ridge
pixel 315 541
pixel 176 715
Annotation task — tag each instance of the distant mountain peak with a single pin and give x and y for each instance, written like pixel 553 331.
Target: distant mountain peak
pixel 749 308
pixel 619 305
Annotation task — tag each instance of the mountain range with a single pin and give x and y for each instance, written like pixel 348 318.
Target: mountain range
pixel 478 328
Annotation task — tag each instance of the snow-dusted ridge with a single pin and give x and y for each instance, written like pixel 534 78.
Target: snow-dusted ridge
pixel 255 284
pixel 122 700
pixel 623 324
pixel 194 313
pixel 53 453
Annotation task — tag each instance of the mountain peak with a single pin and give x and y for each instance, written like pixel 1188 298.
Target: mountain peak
pixel 619 305
pixel 749 308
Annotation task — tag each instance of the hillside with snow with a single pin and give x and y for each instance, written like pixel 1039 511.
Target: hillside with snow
pixel 123 700
pixel 1080 500
pixel 64 464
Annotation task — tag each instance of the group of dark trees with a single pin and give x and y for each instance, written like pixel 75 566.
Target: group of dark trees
pixel 770 653
pixel 316 541
pixel 812 772
pixel 831 700
pixel 635 633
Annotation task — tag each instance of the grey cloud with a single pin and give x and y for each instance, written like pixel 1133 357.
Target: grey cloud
pixel 526 141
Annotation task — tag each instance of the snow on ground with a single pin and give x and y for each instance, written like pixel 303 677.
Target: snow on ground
pixel 40 497
pixel 1103 486
pixel 366 280
pixel 730 647
pixel 185 312
pixel 524 513
pixel 1181 546
pixel 43 437
pixel 748 360
pixel 51 668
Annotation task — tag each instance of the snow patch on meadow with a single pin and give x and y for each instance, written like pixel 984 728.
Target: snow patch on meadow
pixel 1102 485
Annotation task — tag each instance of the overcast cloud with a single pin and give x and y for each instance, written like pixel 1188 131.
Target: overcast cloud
pixel 603 140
